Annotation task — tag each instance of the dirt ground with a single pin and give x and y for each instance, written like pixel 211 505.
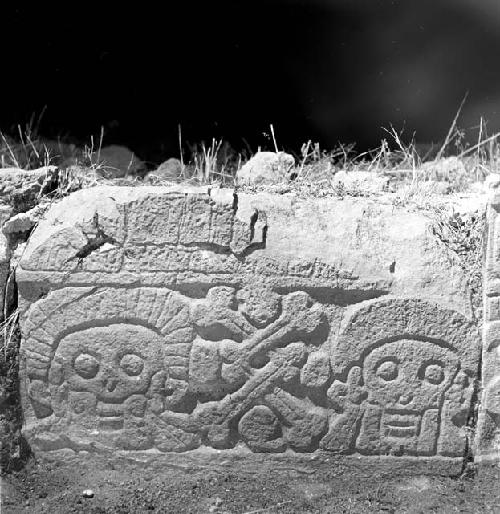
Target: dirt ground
pixel 248 484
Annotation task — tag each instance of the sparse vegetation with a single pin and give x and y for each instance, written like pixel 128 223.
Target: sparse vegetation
pixel 27 153
pixel 13 451
pixel 461 235
pixel 416 173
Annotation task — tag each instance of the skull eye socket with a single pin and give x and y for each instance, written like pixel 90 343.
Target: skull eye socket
pixel 86 365
pixel 388 370
pixel 433 373
pixel 132 364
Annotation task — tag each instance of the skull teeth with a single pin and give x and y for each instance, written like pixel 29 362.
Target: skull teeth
pixel 108 410
pixel 111 416
pixel 111 423
pixel 400 425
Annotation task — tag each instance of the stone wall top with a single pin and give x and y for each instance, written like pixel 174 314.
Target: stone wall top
pixel 207 235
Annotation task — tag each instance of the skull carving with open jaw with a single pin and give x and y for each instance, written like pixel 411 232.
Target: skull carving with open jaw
pixel 102 367
pixel 406 382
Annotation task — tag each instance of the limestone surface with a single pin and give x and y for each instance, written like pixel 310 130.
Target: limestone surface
pixel 174 319
pixel 21 189
pixel 488 432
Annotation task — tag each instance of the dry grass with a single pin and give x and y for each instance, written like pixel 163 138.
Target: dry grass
pixel 412 171
pixel 26 153
pixel 8 328
pixel 11 448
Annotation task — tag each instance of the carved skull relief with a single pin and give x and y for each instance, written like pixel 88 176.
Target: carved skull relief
pixel 104 369
pixel 405 381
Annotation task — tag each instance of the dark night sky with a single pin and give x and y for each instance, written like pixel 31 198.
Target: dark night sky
pixel 327 70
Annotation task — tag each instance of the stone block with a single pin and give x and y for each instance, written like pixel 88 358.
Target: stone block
pixel 173 319
pixel 266 168
pixel 487 444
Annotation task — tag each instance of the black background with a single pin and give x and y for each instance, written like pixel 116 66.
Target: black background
pixel 327 70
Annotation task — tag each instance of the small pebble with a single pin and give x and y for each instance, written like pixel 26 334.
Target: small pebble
pixel 88 493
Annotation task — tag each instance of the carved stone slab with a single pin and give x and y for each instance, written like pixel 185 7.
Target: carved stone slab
pixel 404 375
pixel 215 354
pixel 488 429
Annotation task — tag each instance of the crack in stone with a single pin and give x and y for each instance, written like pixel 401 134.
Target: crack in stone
pixel 94 243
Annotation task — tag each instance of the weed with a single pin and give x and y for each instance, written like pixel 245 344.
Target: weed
pixel 462 238
pixel 315 162
pixel 218 162
pixel 453 133
pixel 28 153
pixel 13 450
pixel 8 328
pixel 411 174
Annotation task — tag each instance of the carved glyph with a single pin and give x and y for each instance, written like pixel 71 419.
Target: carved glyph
pixel 151 368
pixel 144 368
pixel 405 375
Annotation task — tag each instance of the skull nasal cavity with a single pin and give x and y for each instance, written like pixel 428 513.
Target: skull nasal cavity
pixel 405 399
pixel 111 384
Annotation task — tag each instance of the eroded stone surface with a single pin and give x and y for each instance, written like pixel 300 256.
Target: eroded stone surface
pixel 21 189
pixel 488 431
pixel 406 374
pixel 165 319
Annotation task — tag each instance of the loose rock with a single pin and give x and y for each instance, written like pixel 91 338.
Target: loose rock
pixel 171 170
pixel 117 161
pixel 360 183
pixel 266 168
